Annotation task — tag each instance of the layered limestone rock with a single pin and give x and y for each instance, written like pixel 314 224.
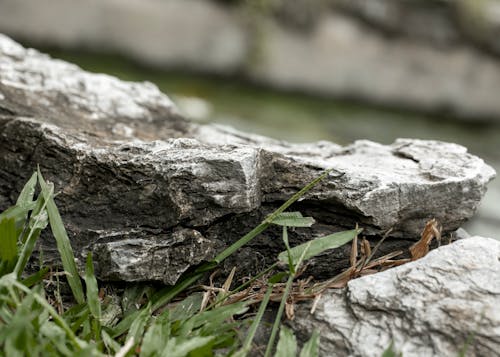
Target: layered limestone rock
pixel 441 305
pixel 152 193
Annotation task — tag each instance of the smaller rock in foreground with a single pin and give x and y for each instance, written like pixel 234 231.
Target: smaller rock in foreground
pixel 431 307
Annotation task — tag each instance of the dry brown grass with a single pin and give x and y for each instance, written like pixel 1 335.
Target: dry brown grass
pixel 362 262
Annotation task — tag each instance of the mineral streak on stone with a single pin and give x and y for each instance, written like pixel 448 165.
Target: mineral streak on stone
pixel 435 306
pixel 132 173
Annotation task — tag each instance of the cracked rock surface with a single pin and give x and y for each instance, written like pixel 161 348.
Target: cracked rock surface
pixel 152 193
pixel 434 306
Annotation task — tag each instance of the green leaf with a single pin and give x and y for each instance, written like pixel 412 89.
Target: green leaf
pixel 390 352
pixel 292 219
pixel 92 289
pixel 56 336
pixel 139 324
pixel 93 297
pixel 62 241
pixel 255 323
pixel 111 345
pixel 210 322
pixel 12 212
pixel 278 277
pixel 10 280
pixel 132 297
pixel 23 205
pixel 36 277
pixel 287 344
pixel 217 316
pixel 38 222
pixel 319 245
pixel 311 347
pixel 186 308
pixel 281 308
pixel 178 347
pixel 291 266
pixel 125 323
pixel 156 337
pixel 8 240
pixel 25 199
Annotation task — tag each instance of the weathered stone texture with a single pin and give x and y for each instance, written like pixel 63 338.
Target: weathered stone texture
pixel 436 306
pixel 128 165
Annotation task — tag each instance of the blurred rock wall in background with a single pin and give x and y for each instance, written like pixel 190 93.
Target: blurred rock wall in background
pixel 424 55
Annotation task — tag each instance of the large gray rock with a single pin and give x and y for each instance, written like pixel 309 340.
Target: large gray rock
pixel 137 180
pixel 439 305
pixel 424 55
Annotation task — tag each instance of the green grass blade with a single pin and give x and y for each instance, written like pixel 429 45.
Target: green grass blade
pixel 156 337
pixel 78 322
pixel 287 344
pixel 296 196
pixel 62 240
pixel 241 242
pixel 318 245
pixel 134 295
pixel 281 308
pixel 219 314
pixel 279 314
pixel 124 324
pixel 269 220
pixel 248 283
pixel 25 199
pixel 111 345
pixel 291 266
pixel 56 336
pixel 390 351
pixel 93 297
pixel 24 202
pixel 293 219
pixel 35 278
pixel 8 240
pixel 177 347
pixel 38 222
pixel 11 280
pixel 139 324
pixel 311 347
pixel 92 289
pixel 15 212
pixel 255 323
pixel 186 308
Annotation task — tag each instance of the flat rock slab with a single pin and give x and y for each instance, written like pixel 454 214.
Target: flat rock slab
pixel 136 177
pixel 439 305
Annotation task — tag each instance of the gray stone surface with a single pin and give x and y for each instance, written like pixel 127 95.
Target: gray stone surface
pixel 434 306
pixel 132 173
pixel 384 51
pixel 164 256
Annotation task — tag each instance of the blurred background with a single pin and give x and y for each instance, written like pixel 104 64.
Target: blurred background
pixel 300 70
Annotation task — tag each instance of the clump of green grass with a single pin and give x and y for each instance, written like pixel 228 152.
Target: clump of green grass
pixel 95 325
